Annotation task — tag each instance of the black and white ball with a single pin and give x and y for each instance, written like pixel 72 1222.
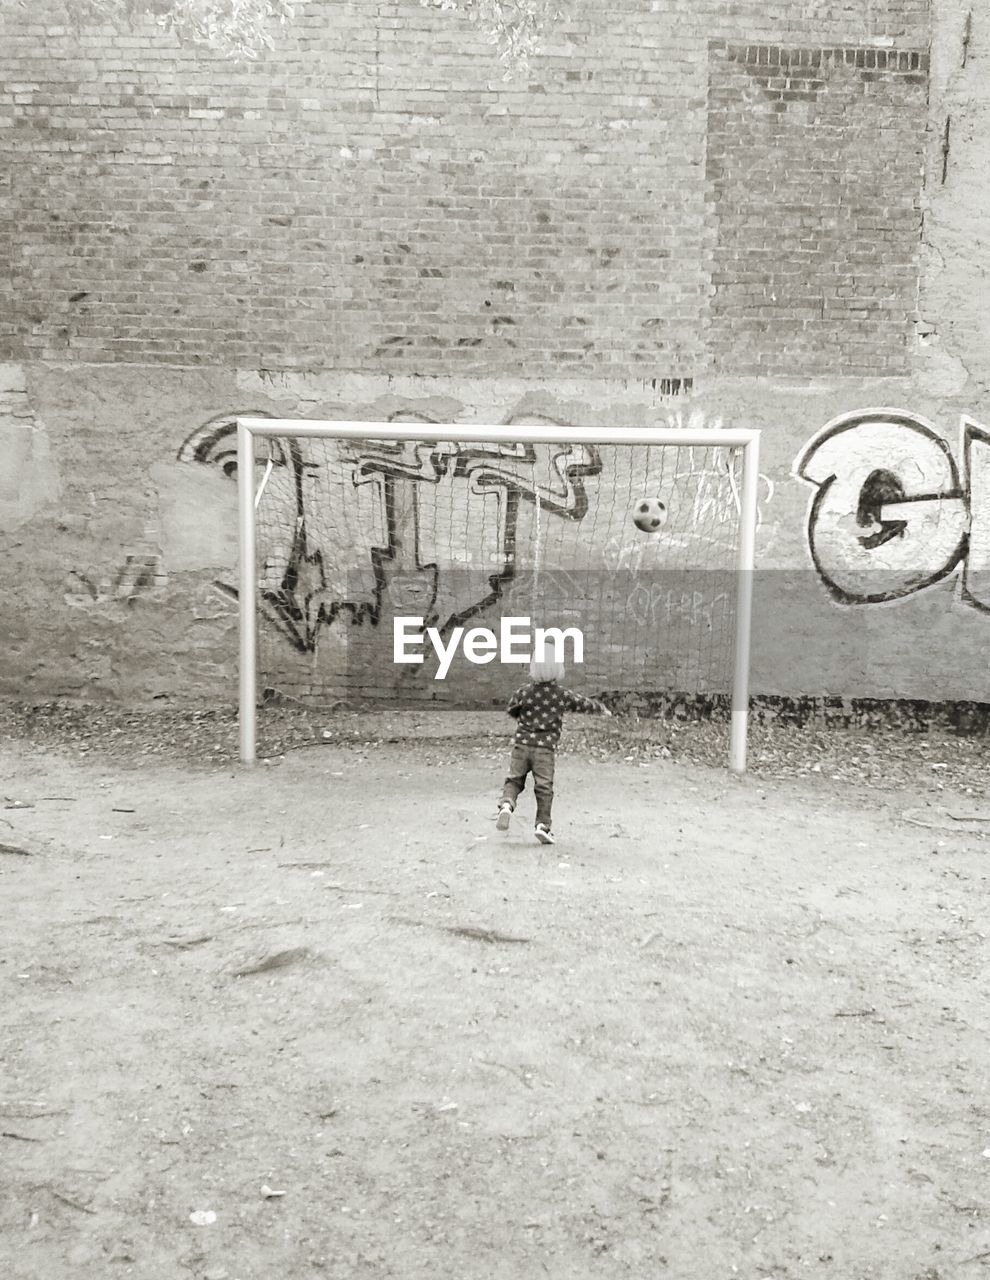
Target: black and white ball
pixel 649 515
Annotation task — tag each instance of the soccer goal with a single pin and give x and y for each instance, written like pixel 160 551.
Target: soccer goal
pixel 404 560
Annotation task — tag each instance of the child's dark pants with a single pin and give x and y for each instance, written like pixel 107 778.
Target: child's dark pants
pixel 536 760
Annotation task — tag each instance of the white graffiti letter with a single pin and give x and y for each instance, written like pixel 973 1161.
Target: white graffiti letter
pixel 889 516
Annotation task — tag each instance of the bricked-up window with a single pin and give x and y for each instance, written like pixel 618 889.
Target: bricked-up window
pixel 815 168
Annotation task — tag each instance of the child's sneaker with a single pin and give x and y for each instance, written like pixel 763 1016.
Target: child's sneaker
pixel 504 814
pixel 543 833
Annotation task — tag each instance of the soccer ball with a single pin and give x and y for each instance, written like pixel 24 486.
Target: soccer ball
pixel 649 515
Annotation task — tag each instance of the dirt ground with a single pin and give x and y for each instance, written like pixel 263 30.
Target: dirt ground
pixel 319 1019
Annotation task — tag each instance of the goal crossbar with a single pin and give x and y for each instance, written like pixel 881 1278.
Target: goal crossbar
pixel 730 438
pixel 745 440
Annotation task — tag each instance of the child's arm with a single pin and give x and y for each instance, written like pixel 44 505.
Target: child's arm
pixel 578 702
pixel 515 706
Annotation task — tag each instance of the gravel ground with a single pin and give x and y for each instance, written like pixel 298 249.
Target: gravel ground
pixel 320 1020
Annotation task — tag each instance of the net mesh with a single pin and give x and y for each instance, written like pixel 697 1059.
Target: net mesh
pixel 634 545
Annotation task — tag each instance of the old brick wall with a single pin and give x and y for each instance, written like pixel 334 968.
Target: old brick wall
pixel 374 197
pixel 686 211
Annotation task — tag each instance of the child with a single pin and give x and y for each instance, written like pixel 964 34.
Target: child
pixel 539 707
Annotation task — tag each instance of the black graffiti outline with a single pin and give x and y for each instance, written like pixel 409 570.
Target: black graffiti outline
pixel 958 491
pixel 970 430
pixel 476 465
pixel 282 611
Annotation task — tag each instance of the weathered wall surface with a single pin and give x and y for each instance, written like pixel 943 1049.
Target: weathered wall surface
pixel 760 219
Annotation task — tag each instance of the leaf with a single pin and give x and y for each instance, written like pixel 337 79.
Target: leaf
pixel 516 27
pixel 481 935
pixel 279 960
pixel 235 28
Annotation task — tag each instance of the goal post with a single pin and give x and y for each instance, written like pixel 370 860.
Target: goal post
pixel 370 463
pixel 745 565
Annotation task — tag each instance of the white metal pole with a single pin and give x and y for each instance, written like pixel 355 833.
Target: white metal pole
pixel 246 591
pixel 476 432
pixel 744 604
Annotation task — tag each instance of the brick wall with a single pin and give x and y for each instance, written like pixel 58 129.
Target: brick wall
pixel 368 223
pixel 372 196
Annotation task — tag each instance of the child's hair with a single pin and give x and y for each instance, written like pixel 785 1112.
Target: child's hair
pixel 547 670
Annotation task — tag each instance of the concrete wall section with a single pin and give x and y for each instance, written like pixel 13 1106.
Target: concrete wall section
pixel 872 546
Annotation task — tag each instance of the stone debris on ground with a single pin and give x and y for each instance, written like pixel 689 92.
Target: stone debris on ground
pixel 885 758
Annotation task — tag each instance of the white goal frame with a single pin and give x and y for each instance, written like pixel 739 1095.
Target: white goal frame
pixel 747 441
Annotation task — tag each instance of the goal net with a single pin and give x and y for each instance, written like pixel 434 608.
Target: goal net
pixel 409 561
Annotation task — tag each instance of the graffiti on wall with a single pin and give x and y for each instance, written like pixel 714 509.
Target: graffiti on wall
pixel 895 510
pixel 353 534
pixel 389 503
pixel 135 577
pixel 707 485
